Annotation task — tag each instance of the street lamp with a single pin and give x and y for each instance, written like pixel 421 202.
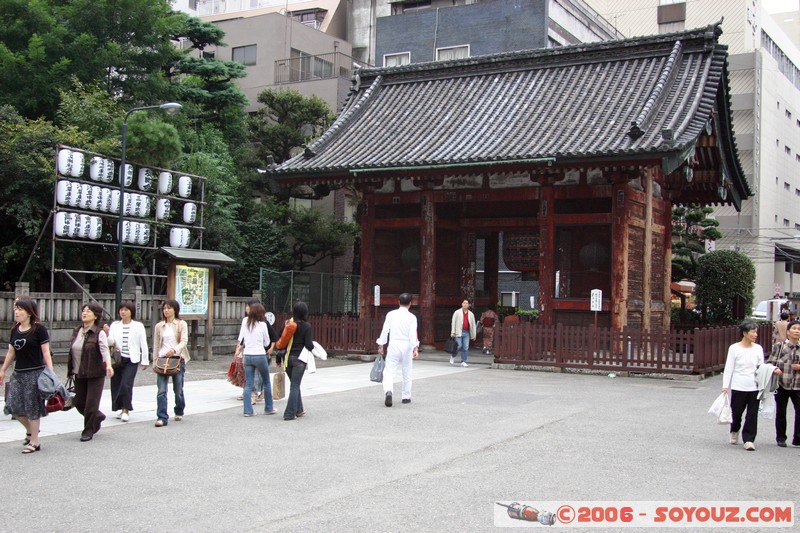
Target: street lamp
pixel 171 108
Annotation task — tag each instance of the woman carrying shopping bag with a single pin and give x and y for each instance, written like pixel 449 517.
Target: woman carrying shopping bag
pixel 744 358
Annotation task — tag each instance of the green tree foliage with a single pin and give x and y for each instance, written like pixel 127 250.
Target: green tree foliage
pixel 315 236
pixel 286 122
pixel 26 187
pixel 722 277
pixel 151 140
pixel 691 227
pixel 92 110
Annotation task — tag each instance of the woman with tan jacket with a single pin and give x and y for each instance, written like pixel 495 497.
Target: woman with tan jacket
pixel 170 337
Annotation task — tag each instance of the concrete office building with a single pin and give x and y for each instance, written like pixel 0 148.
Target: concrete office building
pixel 765 95
pixel 428 30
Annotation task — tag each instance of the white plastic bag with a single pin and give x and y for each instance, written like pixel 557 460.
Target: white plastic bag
pixel 767 406
pixel 721 409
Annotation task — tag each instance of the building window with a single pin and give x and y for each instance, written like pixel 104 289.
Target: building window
pixel 246 55
pixel 395 60
pixel 583 260
pixel 788 114
pixel 205 54
pixel 407 6
pixel 797 227
pixel 797 192
pixel 787 150
pixel 310 17
pixel 786 222
pixel 452 52
pixel 786 186
pixel 509 299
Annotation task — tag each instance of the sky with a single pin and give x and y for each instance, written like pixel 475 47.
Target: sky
pixel 781 6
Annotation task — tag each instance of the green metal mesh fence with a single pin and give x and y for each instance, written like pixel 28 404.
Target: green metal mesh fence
pixel 324 293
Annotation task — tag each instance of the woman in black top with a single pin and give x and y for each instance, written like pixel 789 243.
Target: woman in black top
pixel 295 368
pixel 29 349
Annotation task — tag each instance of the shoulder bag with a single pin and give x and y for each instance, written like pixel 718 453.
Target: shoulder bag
pixel 169 366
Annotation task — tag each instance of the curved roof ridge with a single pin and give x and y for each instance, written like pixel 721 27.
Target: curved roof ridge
pixel 668 74
pixel 347 114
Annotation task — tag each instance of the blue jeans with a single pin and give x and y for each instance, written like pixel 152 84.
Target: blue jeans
pixel 462 342
pixel 261 363
pixel 294 372
pixel 177 387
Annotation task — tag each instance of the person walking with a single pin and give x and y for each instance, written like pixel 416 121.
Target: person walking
pixel 400 331
pixel 254 347
pixel 29 352
pixel 170 337
pixel 295 368
pixel 786 357
pixel 744 358
pixel 90 363
pixel 127 337
pixel 780 327
pixel 462 329
pixel 489 319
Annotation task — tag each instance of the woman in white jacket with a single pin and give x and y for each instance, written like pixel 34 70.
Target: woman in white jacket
pixel 739 377
pixel 127 337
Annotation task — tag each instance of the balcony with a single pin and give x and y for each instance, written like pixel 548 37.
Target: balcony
pixel 304 67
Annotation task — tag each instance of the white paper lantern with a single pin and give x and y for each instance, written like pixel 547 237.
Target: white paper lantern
pixel 84 226
pixel 179 237
pixel 96 198
pixel 76 170
pixel 97 168
pixel 164 183
pixel 95 228
pixel 128 174
pixel 86 196
pixel 115 201
pixel 145 179
pixel 189 212
pixel 64 162
pixel 124 232
pixel 105 199
pixel 60 223
pixel 162 209
pixel 144 206
pixel 185 186
pixel 144 234
pixel 129 205
pixel 72 224
pixel 108 171
pixel 63 192
pixel 76 190
pixel 136 231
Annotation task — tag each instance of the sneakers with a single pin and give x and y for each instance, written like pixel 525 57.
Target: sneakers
pixel 734 437
pixel 178 418
pixel 782 444
pixel 452 360
pixel 464 364
pixel 248 414
pixel 160 423
pixel 749 446
pixel 300 413
pixel 124 417
pixel 388 401
pixel 406 400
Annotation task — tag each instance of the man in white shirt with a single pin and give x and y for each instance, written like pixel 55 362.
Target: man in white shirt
pixel 400 330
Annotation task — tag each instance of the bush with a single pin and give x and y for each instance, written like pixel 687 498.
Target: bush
pixel 722 276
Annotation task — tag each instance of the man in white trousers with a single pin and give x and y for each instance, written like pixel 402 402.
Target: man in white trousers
pixel 400 330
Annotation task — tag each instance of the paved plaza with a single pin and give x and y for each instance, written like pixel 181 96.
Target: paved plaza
pixel 471 437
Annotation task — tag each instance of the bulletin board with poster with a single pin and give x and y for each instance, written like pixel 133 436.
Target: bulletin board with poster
pixel 192 290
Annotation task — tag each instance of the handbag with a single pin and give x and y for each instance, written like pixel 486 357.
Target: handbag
pixel 167 366
pixel 450 345
pixel 279 385
pixel 725 415
pixel 116 359
pixel 236 372
pixel 55 403
pixel 376 374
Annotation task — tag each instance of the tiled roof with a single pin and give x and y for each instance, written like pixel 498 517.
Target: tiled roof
pixel 642 98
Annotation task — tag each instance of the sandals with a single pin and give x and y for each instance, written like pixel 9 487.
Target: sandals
pixel 30 448
pixel 27 439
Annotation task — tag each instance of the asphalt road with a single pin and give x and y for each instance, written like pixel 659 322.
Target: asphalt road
pixel 439 464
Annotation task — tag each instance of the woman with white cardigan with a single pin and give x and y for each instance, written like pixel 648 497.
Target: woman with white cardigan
pixel 127 337
pixel 744 357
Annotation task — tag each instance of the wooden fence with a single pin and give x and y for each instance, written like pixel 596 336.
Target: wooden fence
pixel 694 351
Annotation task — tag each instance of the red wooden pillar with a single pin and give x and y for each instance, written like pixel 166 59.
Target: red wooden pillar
pixel 667 222
pixel 647 288
pixel 427 271
pixel 619 254
pixel 547 276
pixel 365 292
